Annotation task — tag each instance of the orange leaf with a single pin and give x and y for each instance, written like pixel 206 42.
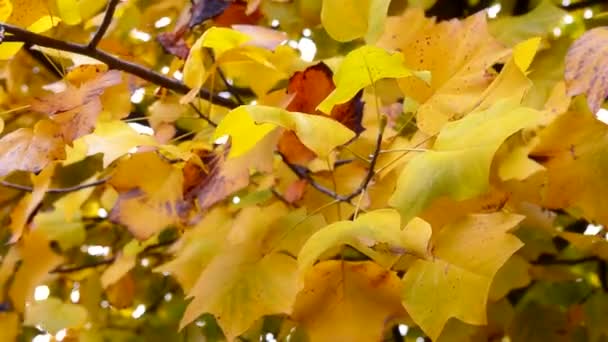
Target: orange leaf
pixel 236 13
pixel 309 88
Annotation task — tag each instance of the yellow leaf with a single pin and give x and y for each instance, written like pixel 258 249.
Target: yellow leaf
pixel 416 237
pixel 53 315
pixel 586 67
pixel 69 11
pixel 241 273
pixel 9 326
pixel 26 206
pixel 31 150
pixel 456 282
pixel 41 24
pixel 572 149
pixel 149 201
pixel 196 248
pixel 115 139
pixel 222 39
pixel 459 80
pixel 194 67
pixel 376 234
pixel 38 260
pixel 348 301
pixel 245 134
pixel 252 275
pixel 6 8
pixel 365 19
pixel 247 125
pixel 361 68
pixel 514 274
pixel 64 224
pixel 524 52
pixel 458 166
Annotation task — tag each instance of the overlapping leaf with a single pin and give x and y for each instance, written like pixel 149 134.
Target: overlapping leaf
pixel 348 301
pixel 458 81
pixel 456 282
pixel 458 166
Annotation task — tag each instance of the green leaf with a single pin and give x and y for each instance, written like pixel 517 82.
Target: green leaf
pixel 458 166
pixel 456 282
pixel 376 234
pixel 247 125
pixel 538 22
pixel 361 68
pixel 53 315
pixel 596 313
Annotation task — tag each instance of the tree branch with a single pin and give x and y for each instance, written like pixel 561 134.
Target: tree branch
pixel 83 267
pixel 54 190
pixel 18 34
pixel 105 24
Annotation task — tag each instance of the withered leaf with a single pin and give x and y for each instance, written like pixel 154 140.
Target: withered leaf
pixel 309 88
pixel 76 109
pixel 235 14
pixel 206 9
pixel 214 182
pixel 585 70
pixel 31 150
pixel 174 43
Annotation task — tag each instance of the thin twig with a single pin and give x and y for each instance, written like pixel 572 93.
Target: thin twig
pixel 105 24
pixel 18 34
pixel 203 116
pixel 54 190
pixel 84 266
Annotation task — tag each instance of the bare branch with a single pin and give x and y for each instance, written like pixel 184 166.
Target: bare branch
pixel 18 34
pixel 107 20
pixel 54 190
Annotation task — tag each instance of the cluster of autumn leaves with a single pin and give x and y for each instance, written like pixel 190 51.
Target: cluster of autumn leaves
pixel 383 187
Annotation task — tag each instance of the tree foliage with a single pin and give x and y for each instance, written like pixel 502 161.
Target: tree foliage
pixel 306 170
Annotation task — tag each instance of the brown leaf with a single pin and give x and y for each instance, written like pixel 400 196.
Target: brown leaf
pixel 206 9
pixel 236 13
pixel 31 150
pixel 586 71
pixel 174 43
pixel 220 177
pixel 76 109
pixel 310 87
pixel 212 184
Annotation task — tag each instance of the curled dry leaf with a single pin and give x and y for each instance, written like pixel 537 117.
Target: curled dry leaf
pixel 31 150
pixel 76 109
pixel 586 71
pixel 309 88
